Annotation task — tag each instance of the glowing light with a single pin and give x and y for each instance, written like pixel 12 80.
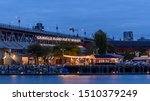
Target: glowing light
pixel 78 72
pixel 4 57
pixel 114 72
pixel 13 56
pixel 57 39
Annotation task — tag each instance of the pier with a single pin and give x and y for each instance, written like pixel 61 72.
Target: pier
pixel 74 70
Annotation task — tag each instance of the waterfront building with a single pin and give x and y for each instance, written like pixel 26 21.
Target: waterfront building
pixel 122 47
pixel 105 59
pixel 14 41
pixel 145 59
pixel 135 48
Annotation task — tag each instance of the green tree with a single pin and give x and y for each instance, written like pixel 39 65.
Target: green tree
pixel 67 48
pixel 57 51
pixel 142 51
pixel 35 49
pixel 47 51
pixel 128 55
pixel 100 40
pixel 39 51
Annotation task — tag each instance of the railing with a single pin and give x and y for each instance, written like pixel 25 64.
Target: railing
pixel 13 27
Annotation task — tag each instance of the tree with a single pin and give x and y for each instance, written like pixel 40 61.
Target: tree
pixel 128 56
pixel 35 49
pixel 142 51
pixel 67 48
pixel 39 51
pixel 47 51
pixel 57 51
pixel 100 40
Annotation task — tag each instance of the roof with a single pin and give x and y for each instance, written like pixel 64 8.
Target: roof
pixel 14 45
pixel 108 56
pixel 131 43
pixel 141 58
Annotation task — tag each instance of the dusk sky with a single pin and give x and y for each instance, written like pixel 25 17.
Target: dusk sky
pixel 112 16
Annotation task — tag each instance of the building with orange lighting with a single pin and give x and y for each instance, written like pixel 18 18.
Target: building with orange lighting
pixel 14 41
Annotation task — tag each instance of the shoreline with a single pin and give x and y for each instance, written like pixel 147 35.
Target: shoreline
pixel 75 70
pixel 84 74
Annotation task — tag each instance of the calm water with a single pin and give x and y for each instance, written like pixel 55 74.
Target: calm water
pixel 76 79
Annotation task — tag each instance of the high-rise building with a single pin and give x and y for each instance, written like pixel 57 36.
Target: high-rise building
pixel 128 36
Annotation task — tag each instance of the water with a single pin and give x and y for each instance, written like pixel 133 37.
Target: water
pixel 75 79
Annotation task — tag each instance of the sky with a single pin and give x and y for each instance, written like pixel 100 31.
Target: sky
pixel 112 16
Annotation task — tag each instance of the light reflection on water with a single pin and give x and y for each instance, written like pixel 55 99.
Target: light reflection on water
pixel 148 77
pixel 75 79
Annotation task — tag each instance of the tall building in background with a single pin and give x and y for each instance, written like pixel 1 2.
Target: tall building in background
pixel 128 36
